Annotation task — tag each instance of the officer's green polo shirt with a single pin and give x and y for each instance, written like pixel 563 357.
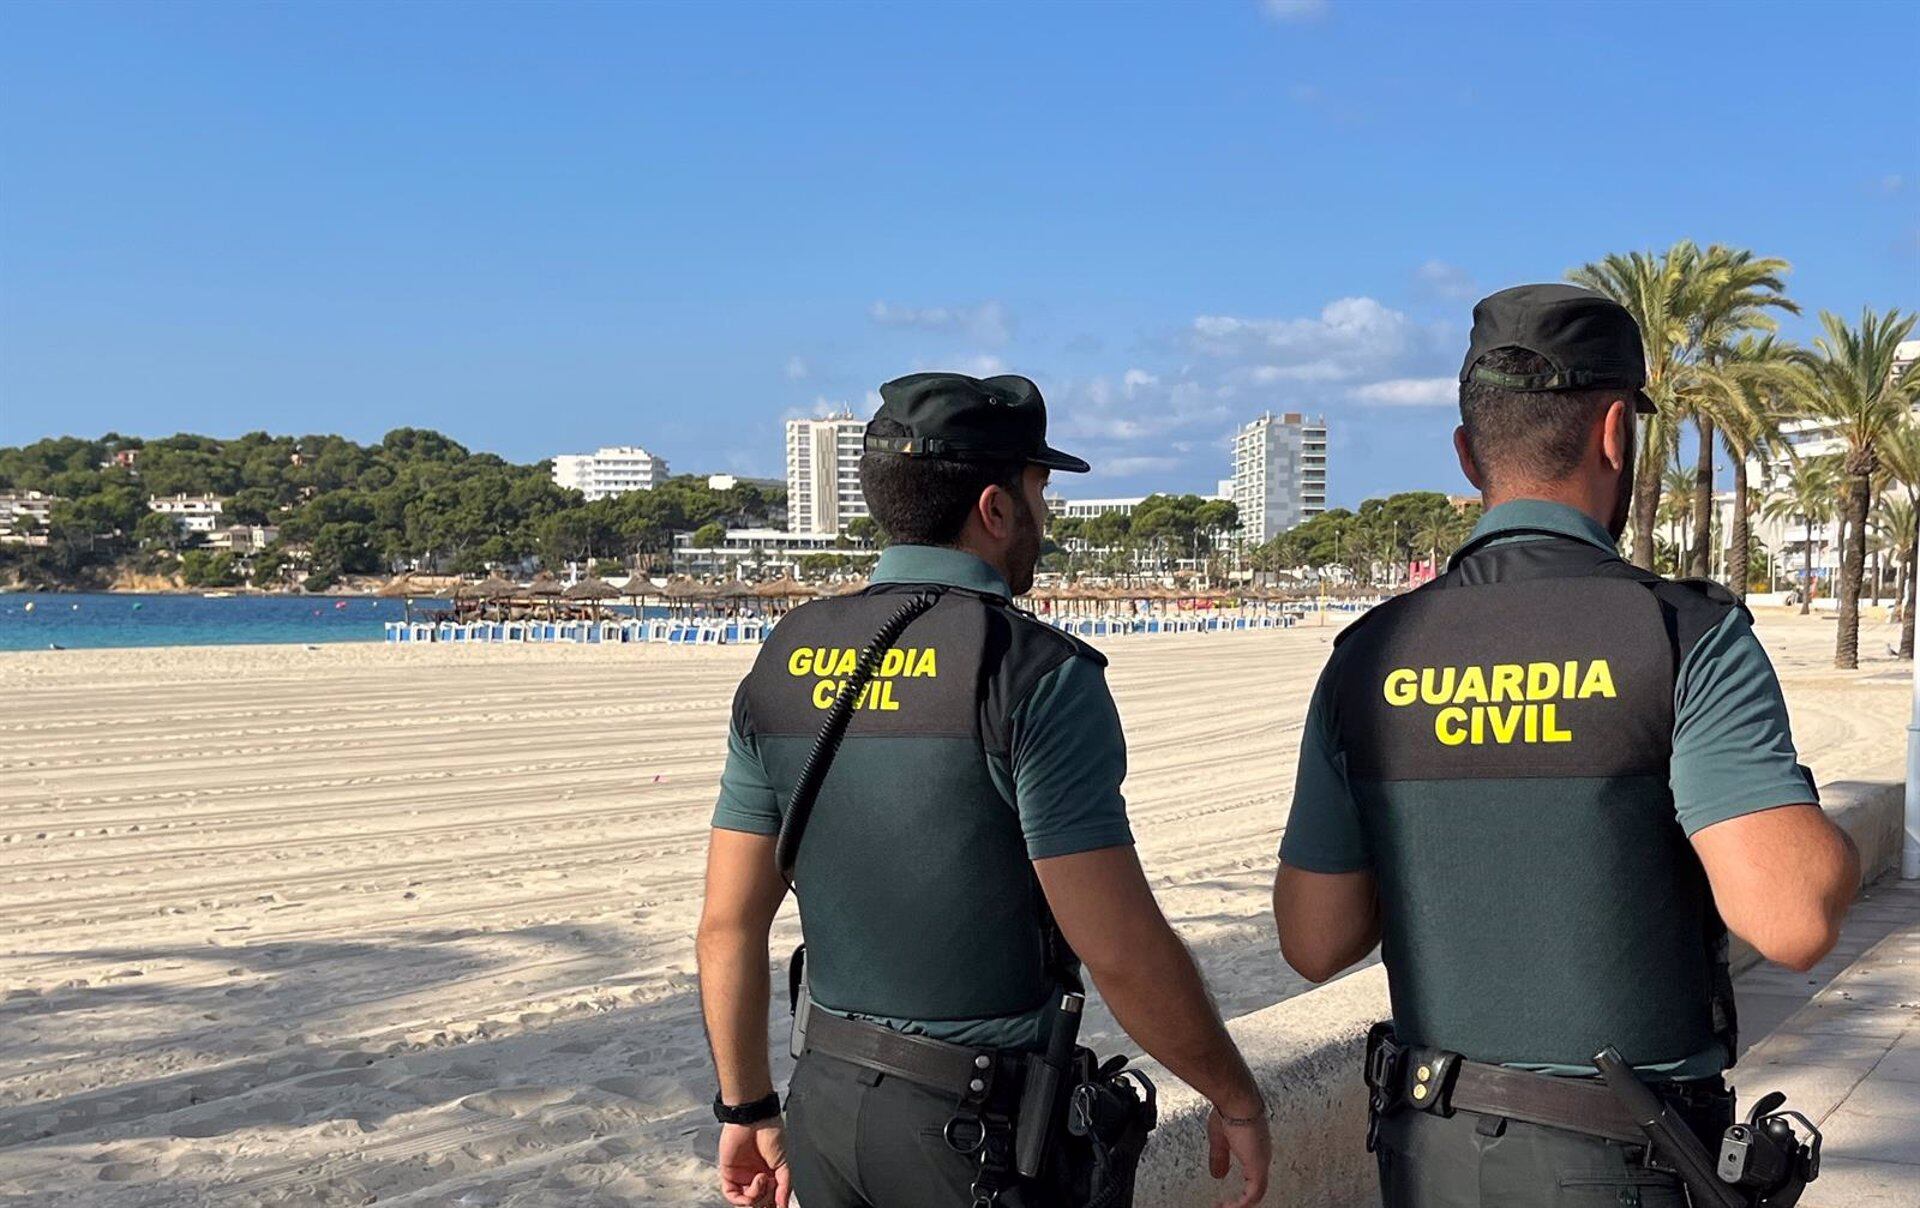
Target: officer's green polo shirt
pixel 1062 776
pixel 1733 751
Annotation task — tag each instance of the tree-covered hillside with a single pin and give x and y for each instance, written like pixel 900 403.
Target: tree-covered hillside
pixel 415 499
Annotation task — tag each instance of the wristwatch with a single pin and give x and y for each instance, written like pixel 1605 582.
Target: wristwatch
pixel 747 1113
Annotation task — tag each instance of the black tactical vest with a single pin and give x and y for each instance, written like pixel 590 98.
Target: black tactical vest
pixel 1507 730
pixel 917 899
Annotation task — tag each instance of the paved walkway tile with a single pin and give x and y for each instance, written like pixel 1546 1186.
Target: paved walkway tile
pixel 1849 1059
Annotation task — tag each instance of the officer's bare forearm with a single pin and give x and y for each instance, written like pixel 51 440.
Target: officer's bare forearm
pixel 1159 998
pixel 744 890
pixel 1782 880
pixel 1146 975
pixel 734 987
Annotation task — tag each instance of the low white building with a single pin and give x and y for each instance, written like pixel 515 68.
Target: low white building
pixel 1087 509
pixel 756 550
pixel 610 471
pixel 242 539
pixel 24 516
pixel 193 513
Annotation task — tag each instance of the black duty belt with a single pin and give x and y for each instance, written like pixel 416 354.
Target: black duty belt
pixel 1441 1083
pixel 960 1070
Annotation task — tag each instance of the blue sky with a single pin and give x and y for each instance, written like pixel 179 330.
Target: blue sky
pixel 544 228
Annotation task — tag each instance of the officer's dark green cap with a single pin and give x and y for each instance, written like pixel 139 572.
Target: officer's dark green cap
pixel 953 417
pixel 1590 341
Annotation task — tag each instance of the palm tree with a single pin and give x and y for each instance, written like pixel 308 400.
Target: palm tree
pixel 1439 529
pixel 1852 387
pixel 1732 293
pixel 1806 495
pixel 1900 456
pixel 1652 291
pixel 1691 305
pixel 1741 399
pixel 1675 514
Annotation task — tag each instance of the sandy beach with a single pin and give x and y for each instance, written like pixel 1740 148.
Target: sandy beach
pixel 289 925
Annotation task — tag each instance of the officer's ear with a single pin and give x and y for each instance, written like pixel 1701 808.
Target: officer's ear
pixel 1616 435
pixel 995 510
pixel 1465 453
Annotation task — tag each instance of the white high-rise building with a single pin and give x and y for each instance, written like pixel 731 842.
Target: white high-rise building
pixel 823 473
pixel 1279 474
pixel 613 471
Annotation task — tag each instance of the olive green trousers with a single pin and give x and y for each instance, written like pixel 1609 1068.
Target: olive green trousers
pixel 1473 1161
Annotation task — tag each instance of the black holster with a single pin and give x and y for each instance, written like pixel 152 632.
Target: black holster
pixel 1104 1115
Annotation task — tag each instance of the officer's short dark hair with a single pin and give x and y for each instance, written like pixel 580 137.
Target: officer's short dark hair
pixel 1536 435
pixel 924 500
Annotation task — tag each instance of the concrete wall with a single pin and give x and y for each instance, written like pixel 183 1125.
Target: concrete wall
pixel 1306 1054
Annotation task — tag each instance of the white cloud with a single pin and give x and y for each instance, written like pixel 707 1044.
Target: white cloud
pixel 987 322
pixel 1307 371
pixel 796 369
pixel 981 366
pixel 1137 380
pixel 1408 392
pixel 1443 280
pixel 1121 467
pixel 1295 10
pixel 1351 337
pixel 824 406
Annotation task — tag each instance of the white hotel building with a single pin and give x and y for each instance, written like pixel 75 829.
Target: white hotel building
pixel 823 473
pixel 611 471
pixel 1279 474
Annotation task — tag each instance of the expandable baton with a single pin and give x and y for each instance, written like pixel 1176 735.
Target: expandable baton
pixel 1040 1097
pixel 1668 1134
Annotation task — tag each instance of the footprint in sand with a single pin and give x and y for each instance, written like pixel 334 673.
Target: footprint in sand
pixel 516 1100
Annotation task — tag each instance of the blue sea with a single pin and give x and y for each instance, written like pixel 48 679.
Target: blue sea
pixel 88 620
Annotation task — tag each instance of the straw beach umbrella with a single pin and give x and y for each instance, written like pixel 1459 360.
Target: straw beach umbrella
pixel 496 589
pixel 639 587
pixel 786 587
pixel 545 587
pixel 683 590
pixel 593 589
pixel 780 593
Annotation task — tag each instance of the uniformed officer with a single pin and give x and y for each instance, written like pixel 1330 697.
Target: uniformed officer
pixel 968 841
pixel 1541 783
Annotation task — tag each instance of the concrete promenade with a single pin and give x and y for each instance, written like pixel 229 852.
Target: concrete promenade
pixel 1849 1058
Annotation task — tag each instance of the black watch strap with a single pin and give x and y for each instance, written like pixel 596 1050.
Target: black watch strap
pixel 747 1113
